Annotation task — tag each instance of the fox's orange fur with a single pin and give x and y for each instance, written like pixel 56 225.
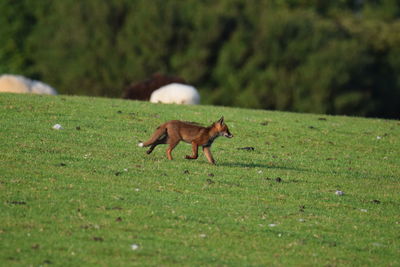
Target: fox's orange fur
pixel 172 132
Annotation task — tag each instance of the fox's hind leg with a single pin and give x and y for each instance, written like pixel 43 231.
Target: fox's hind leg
pixel 156 139
pixel 169 150
pixel 172 145
pixel 162 140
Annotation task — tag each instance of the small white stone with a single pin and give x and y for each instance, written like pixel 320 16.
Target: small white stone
pixel 134 246
pixel 379 137
pixel 272 225
pixel 203 235
pixel 339 193
pixel 363 210
pixel 140 144
pixel 57 127
pixel 302 220
pixel 137 189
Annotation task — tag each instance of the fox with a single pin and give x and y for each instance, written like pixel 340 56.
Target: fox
pixel 174 131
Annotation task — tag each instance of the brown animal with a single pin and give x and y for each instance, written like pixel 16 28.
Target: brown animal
pixel 172 132
pixel 143 90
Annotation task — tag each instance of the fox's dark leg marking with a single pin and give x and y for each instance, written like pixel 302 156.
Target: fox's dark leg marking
pixel 162 140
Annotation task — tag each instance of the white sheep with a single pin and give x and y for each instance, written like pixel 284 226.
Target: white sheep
pixel 176 93
pixel 19 84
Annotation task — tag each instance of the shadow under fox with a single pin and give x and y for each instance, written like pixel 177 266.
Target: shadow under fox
pixel 172 132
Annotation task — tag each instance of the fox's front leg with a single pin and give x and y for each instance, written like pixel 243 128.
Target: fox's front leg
pixel 195 152
pixel 207 153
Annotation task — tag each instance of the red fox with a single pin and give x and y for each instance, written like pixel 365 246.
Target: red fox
pixel 172 132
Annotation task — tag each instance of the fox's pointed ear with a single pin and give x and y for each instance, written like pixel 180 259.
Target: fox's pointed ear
pixel 221 121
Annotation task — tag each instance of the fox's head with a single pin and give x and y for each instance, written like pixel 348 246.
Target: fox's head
pixel 222 128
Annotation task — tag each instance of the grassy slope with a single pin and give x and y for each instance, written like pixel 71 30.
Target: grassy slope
pixel 85 196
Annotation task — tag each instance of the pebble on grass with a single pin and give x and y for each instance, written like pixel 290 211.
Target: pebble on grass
pixel 339 193
pixel 134 246
pixel 57 127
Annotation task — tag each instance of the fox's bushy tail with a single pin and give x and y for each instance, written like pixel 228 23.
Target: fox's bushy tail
pixel 160 133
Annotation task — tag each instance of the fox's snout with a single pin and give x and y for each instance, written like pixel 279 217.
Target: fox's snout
pixel 229 135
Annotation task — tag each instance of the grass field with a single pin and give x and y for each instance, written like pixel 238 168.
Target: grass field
pixel 88 195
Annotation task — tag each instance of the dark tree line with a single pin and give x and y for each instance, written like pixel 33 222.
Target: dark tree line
pixel 335 57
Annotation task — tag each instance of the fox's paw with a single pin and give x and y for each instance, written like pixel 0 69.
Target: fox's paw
pixel 140 144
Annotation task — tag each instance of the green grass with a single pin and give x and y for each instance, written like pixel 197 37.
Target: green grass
pixel 84 197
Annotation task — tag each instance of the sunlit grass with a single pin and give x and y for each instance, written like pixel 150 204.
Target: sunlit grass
pixel 85 194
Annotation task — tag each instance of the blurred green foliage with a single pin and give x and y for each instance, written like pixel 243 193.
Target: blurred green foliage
pixel 335 57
